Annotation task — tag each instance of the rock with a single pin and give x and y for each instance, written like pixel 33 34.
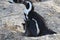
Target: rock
pixel 9 35
pixel 57 2
pixel 11 19
pixel 28 0
pixel 11 14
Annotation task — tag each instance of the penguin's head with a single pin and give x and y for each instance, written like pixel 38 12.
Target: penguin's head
pixel 28 4
pixel 28 7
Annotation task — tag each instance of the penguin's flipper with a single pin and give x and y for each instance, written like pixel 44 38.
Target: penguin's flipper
pixel 32 27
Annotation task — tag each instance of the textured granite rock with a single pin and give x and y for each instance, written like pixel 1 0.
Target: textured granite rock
pixel 11 17
pixel 12 14
pixel 57 2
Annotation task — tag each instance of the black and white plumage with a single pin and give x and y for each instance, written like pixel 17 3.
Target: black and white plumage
pixel 35 22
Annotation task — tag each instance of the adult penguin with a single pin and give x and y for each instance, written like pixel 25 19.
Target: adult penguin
pixel 35 24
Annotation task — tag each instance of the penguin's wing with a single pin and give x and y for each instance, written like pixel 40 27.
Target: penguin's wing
pixel 33 27
pixel 37 27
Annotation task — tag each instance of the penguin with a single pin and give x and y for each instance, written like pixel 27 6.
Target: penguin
pixel 35 23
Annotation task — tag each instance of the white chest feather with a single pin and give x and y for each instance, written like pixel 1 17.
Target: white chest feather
pixel 26 11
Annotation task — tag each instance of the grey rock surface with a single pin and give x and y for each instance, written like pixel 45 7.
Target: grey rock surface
pixel 12 15
pixel 57 2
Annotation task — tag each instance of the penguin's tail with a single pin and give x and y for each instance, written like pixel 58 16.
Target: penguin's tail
pixel 49 31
